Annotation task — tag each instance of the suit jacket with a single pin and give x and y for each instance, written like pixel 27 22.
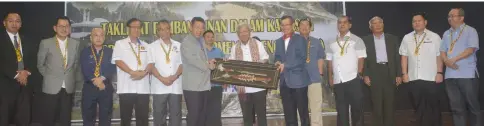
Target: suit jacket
pixel 195 65
pixel 50 65
pixel 295 74
pixel 9 63
pixel 392 44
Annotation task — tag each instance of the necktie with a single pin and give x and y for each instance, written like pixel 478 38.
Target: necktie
pixel 16 46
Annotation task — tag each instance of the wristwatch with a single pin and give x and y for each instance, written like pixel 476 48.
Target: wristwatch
pixel 440 73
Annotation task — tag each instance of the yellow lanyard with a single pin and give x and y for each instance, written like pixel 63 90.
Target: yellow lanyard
pixel 342 47
pixel 308 56
pixel 452 44
pixel 417 47
pixel 138 59
pixel 64 55
pixel 98 63
pixel 167 54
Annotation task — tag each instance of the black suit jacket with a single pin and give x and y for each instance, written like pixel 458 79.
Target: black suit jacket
pixel 8 64
pixel 392 44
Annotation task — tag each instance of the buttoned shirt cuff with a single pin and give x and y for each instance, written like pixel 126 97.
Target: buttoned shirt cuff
pixel 102 77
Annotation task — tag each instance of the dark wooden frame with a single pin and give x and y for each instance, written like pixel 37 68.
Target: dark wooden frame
pixel 258 68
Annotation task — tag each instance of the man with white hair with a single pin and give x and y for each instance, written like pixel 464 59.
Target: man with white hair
pixel 251 50
pixel 382 72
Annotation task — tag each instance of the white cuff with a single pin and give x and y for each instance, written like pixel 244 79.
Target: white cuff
pixel 16 76
pixel 104 78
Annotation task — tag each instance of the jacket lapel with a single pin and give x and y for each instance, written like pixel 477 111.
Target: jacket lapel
pixel 71 52
pixel 389 47
pixel 372 48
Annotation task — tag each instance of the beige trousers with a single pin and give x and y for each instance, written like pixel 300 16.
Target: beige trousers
pixel 315 97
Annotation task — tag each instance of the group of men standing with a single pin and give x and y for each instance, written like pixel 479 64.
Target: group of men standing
pixel 143 70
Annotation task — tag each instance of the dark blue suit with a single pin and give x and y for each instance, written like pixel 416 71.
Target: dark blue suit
pixel 91 95
pixel 294 79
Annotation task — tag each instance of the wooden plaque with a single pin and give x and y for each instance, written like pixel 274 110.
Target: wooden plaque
pixel 242 73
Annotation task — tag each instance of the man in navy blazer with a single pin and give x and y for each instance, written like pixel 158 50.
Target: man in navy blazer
pixel 290 57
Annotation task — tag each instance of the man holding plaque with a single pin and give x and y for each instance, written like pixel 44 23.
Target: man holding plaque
pixel 197 68
pixel 422 70
pixel 166 82
pixel 290 57
pixel 133 86
pixel 315 61
pixel 98 89
pixel 458 50
pixel 346 58
pixel 250 98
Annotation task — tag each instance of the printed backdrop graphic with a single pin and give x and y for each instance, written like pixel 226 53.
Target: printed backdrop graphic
pixel 221 17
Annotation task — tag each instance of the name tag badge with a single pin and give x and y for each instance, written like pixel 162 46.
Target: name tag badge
pixel 143 49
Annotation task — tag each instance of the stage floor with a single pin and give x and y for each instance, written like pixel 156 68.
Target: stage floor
pixel 402 118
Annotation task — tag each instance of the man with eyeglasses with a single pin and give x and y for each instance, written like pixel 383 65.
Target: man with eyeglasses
pixel 458 50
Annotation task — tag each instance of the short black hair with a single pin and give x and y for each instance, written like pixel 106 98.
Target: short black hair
pixel 199 19
pixel 287 17
pixel 347 17
pixel 208 31
pixel 306 19
pixel 256 38
pixel 62 18
pixel 8 13
pixel 423 14
pixel 130 21
pixel 164 21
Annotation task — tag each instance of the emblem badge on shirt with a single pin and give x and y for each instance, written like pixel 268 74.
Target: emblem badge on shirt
pixel 143 49
pixel 427 40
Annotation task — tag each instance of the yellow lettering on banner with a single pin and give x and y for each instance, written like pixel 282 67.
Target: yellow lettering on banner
pixel 104 25
pixel 155 31
pixel 145 28
pixel 295 26
pixel 225 46
pixel 233 25
pixel 218 26
pixel 176 27
pixel 257 25
pixel 273 25
pixel 270 44
pixel 110 46
pixel 116 29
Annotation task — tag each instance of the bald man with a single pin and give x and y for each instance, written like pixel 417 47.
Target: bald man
pixel 97 90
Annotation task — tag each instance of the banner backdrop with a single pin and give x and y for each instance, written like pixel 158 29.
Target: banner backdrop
pixel 221 17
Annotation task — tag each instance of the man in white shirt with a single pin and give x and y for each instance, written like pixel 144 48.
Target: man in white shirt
pixel 422 69
pixel 166 85
pixel 346 57
pixel 133 86
pixel 250 50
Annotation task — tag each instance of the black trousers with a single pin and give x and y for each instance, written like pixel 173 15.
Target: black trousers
pixel 349 94
pixel 424 96
pixel 56 106
pixel 91 98
pixel 463 98
pixel 140 103
pixel 294 100
pixel 383 96
pixel 15 107
pixel 196 102
pixel 214 106
pixel 252 104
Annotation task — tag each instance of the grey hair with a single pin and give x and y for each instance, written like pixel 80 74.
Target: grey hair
pixel 461 11
pixel 243 25
pixel 375 18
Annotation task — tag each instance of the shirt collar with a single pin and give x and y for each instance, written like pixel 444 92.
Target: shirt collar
pixel 381 36
pixel 346 35
pixel 424 32
pixel 212 48
pixel 460 27
pixel 11 35
pixel 284 37
pixel 61 40
pixel 163 42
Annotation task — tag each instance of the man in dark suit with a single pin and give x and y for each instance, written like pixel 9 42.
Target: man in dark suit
pixel 18 66
pixel 382 71
pixel 290 57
